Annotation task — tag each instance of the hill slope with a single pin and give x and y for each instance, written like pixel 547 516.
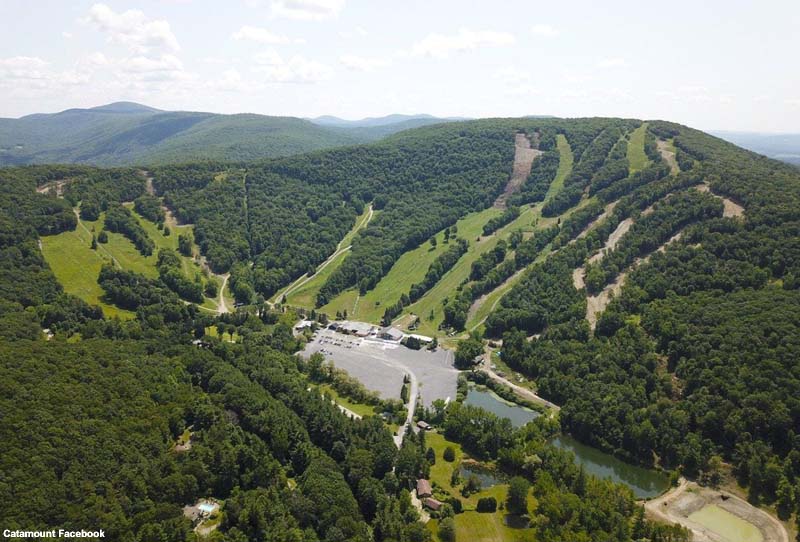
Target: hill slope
pixel 125 133
pixel 692 361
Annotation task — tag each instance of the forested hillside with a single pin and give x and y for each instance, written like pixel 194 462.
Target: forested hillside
pixel 121 424
pixel 695 358
pixel 646 278
pixel 128 134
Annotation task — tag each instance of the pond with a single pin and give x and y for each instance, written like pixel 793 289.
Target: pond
pixel 495 404
pixel 645 483
pixel 487 477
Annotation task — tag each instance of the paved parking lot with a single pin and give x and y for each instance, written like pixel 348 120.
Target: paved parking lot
pixel 381 365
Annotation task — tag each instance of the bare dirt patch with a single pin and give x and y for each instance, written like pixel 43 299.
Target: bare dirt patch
pixel 668 155
pixel 602 216
pixel 524 156
pixel 577 278
pixel 731 210
pixel 597 304
pixel 613 239
pixel 57 186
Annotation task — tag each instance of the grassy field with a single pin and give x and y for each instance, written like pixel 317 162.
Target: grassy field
pixel 77 266
pixel 477 527
pixel 189 266
pixel 564 166
pixel 306 295
pixel 637 159
pixel 409 269
pixel 435 298
pixel 359 408
pixel 472 525
pixel 412 266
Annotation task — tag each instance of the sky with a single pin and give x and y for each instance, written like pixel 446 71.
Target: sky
pixel 714 65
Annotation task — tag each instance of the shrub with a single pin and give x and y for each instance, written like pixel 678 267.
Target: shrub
pixel 487 504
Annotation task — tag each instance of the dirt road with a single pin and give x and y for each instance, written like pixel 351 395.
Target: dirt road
pixel 519 390
pixel 222 308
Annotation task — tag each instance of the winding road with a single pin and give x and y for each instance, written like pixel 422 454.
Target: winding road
pixel 222 308
pixel 486 366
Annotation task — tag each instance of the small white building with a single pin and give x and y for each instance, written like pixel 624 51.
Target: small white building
pixel 423 339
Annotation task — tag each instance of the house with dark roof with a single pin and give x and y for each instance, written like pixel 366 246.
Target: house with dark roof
pixel 432 503
pixel 423 488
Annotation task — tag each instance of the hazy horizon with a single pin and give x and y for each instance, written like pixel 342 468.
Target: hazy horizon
pixel 717 66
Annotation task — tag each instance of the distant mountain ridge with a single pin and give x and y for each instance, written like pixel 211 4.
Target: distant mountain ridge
pixel 330 120
pixel 784 147
pixel 128 133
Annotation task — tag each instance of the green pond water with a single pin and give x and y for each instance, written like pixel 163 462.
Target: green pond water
pixel 486 477
pixel 495 404
pixel 645 483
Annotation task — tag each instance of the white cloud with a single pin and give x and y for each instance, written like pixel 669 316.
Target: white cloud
pixel 308 10
pixel 544 30
pixel 96 59
pixel 66 35
pixel 23 73
pixel 259 35
pixel 615 62
pixel 793 102
pixel 269 57
pixel 231 81
pixel 297 69
pixel 22 62
pixel 362 64
pixel 440 45
pixel 133 29
pixel 143 64
pixel 357 32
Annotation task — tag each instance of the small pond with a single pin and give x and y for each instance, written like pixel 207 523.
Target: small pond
pixel 495 404
pixel 645 483
pixel 487 477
